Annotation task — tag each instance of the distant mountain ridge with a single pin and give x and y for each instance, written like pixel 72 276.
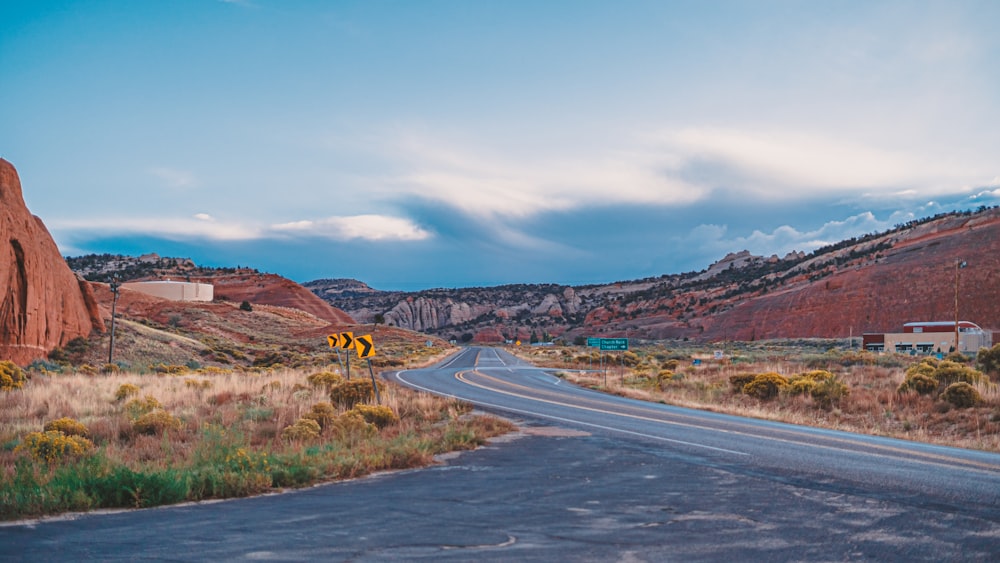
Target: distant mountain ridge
pixel 871 283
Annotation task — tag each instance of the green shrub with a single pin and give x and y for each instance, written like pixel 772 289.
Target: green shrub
pixel 829 392
pixel 11 376
pixel 379 415
pixel 138 407
pixel 54 446
pixel 740 380
pixel 801 386
pixel 126 390
pixel 67 426
pixel 923 384
pixel 952 372
pixel 325 379
pixel 988 359
pixel 156 422
pixel 323 413
pixel 961 395
pixel 766 386
pixel 303 429
pixel 351 427
pixel 350 393
pixel 670 365
pixel 198 385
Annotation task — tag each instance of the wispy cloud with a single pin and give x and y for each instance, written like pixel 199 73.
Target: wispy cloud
pixel 490 183
pixel 181 228
pixel 713 240
pixel 669 168
pixel 205 226
pixel 366 227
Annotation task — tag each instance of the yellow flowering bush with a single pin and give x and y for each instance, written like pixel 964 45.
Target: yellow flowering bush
pixel 11 376
pixel 323 413
pixel 67 426
pixel 53 446
pixel 325 379
pixel 197 385
pixel 126 390
pixel 156 422
pixel 303 429
pixel 138 407
pixel 379 415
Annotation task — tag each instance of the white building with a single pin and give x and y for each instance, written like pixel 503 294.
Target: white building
pixel 173 290
pixel 927 337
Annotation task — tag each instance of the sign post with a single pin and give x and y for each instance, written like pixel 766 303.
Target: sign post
pixel 347 342
pixel 366 349
pixel 614 345
pixel 334 340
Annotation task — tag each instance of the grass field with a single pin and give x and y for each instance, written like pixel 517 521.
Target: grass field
pixel 130 440
pixel 872 403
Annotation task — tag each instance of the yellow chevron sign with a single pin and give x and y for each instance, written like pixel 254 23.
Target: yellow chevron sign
pixel 347 340
pixel 334 340
pixel 365 346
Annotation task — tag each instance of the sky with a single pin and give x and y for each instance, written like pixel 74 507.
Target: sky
pixel 425 144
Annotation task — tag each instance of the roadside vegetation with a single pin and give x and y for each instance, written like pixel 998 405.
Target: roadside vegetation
pixel 952 401
pixel 82 440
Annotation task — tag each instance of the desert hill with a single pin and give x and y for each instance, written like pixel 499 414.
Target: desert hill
pixel 867 284
pixel 230 284
pixel 42 304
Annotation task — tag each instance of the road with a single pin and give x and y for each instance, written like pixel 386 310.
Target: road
pixel 964 481
pixel 591 478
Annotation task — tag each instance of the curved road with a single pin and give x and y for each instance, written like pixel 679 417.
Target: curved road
pixel 591 477
pixel 911 473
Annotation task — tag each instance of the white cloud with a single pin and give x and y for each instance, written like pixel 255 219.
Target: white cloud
pixel 203 225
pixel 366 227
pixel 171 228
pixel 770 162
pixel 484 183
pixel 712 240
pixel 666 168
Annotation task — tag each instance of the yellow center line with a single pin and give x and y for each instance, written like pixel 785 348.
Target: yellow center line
pixel 930 458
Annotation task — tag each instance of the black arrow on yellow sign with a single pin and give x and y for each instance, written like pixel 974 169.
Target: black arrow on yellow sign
pixel 347 340
pixel 364 345
pixel 334 340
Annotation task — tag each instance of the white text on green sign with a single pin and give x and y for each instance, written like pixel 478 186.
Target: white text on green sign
pixel 614 344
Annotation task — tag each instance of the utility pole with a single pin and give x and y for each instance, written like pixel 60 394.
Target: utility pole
pixel 959 264
pixel 114 302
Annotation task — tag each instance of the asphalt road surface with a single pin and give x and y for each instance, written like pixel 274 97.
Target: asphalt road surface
pixel 593 477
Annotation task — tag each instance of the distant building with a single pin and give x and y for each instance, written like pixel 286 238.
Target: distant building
pixel 175 291
pixel 930 337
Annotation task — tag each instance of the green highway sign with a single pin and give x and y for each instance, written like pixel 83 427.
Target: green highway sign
pixel 614 344
pixel 593 342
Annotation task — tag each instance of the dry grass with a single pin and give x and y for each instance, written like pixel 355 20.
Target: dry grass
pixel 239 413
pixel 873 406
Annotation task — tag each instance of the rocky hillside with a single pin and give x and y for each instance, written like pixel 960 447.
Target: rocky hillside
pixel 868 284
pixel 230 284
pixel 42 304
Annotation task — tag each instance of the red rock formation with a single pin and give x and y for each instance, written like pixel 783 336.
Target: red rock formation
pixel 271 289
pixel 42 303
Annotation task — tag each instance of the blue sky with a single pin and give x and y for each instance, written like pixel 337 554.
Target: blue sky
pixel 462 143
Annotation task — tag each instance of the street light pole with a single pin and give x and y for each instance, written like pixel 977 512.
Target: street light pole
pixel 959 264
pixel 114 301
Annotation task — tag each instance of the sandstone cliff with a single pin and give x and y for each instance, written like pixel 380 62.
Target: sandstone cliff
pixel 874 283
pixel 42 303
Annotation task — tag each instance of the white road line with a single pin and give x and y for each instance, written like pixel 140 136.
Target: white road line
pixel 399 376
